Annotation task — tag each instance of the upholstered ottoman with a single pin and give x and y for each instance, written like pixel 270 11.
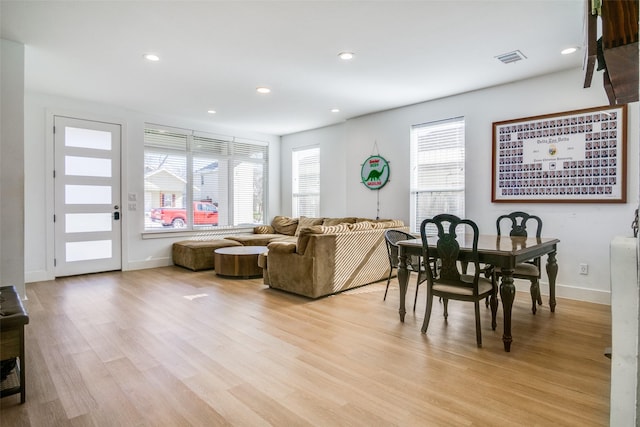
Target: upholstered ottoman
pixel 198 254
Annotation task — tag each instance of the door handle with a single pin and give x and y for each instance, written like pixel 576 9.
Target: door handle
pixel 116 215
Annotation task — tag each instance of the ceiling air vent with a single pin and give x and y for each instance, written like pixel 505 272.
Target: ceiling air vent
pixel 510 57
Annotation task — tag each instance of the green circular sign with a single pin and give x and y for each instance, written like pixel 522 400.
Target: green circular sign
pixel 375 172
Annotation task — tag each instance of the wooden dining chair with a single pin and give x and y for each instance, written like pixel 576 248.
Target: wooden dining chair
pixel 414 263
pixel 529 270
pixel 450 282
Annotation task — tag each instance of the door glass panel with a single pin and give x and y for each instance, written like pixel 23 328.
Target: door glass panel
pixel 87 166
pixel 87 194
pixel 87 138
pixel 82 251
pixel 87 222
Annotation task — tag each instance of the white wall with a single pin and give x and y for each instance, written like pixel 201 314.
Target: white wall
pixel 332 166
pixel 584 229
pixel 12 165
pixel 138 252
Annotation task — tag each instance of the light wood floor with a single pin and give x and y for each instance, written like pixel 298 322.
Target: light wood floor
pixel 128 349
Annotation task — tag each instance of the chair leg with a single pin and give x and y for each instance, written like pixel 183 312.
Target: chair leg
pixel 446 305
pixel 539 295
pixel 494 310
pixel 427 312
pixel 478 330
pixel 415 299
pixel 535 295
pixel 487 301
pixel 387 288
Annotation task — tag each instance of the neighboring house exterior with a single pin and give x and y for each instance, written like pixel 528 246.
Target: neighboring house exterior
pixel 163 189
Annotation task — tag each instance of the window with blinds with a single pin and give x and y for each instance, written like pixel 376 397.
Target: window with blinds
pixel 196 180
pixel 437 170
pixel 306 182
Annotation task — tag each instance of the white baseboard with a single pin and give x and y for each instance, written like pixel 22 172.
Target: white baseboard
pixel 37 276
pixel 570 292
pixel 148 263
pixel 44 275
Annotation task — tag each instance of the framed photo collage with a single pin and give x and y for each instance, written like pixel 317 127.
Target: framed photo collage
pixel 575 156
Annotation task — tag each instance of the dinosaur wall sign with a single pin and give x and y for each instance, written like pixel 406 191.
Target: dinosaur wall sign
pixel 375 172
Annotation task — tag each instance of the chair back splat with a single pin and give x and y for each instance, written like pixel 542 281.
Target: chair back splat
pixel 450 282
pixel 526 270
pixel 519 222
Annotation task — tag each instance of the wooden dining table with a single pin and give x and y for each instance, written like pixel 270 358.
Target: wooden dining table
pixel 501 251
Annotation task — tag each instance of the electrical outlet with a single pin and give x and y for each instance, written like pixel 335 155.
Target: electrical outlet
pixel 584 269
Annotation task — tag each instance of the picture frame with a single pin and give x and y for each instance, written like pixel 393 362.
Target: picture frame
pixel 575 156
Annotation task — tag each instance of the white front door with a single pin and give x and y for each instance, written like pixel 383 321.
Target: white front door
pixel 87 196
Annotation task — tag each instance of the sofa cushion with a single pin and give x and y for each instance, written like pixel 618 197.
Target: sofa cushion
pixel 285 225
pixel 306 232
pixel 360 226
pixel 337 221
pixel 255 239
pixel 303 237
pixel 303 221
pixel 365 220
pixel 263 229
pixel 382 224
pixel 333 229
pixel 390 223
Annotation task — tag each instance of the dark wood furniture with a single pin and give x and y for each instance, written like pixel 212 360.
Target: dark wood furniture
pixel 240 262
pixel 529 270
pixel 13 317
pixel 451 284
pixel 616 52
pixel 502 251
pixel 392 237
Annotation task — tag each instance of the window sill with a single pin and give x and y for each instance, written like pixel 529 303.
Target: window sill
pixel 197 234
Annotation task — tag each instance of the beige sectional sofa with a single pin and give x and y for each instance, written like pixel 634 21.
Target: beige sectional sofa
pixel 315 257
pixel 329 256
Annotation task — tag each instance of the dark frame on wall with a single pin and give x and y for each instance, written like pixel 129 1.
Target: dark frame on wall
pixel 570 157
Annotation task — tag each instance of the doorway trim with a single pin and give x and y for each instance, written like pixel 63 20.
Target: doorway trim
pixel 50 113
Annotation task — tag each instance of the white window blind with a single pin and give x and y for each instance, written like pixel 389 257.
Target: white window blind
pixel 249 161
pixel 209 169
pixel 306 182
pixel 203 173
pixel 165 169
pixel 437 165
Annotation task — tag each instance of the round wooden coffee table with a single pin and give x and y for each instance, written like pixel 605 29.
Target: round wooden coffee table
pixel 239 262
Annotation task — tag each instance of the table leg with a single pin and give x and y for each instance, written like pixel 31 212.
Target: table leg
pixel 403 281
pixel 552 273
pixel 507 295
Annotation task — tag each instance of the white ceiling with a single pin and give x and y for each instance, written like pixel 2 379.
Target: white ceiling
pixel 215 53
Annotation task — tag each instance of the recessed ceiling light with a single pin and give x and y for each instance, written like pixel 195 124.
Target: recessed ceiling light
pixel 569 50
pixel 151 57
pixel 211 111
pixel 263 89
pixel 335 110
pixel 346 55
